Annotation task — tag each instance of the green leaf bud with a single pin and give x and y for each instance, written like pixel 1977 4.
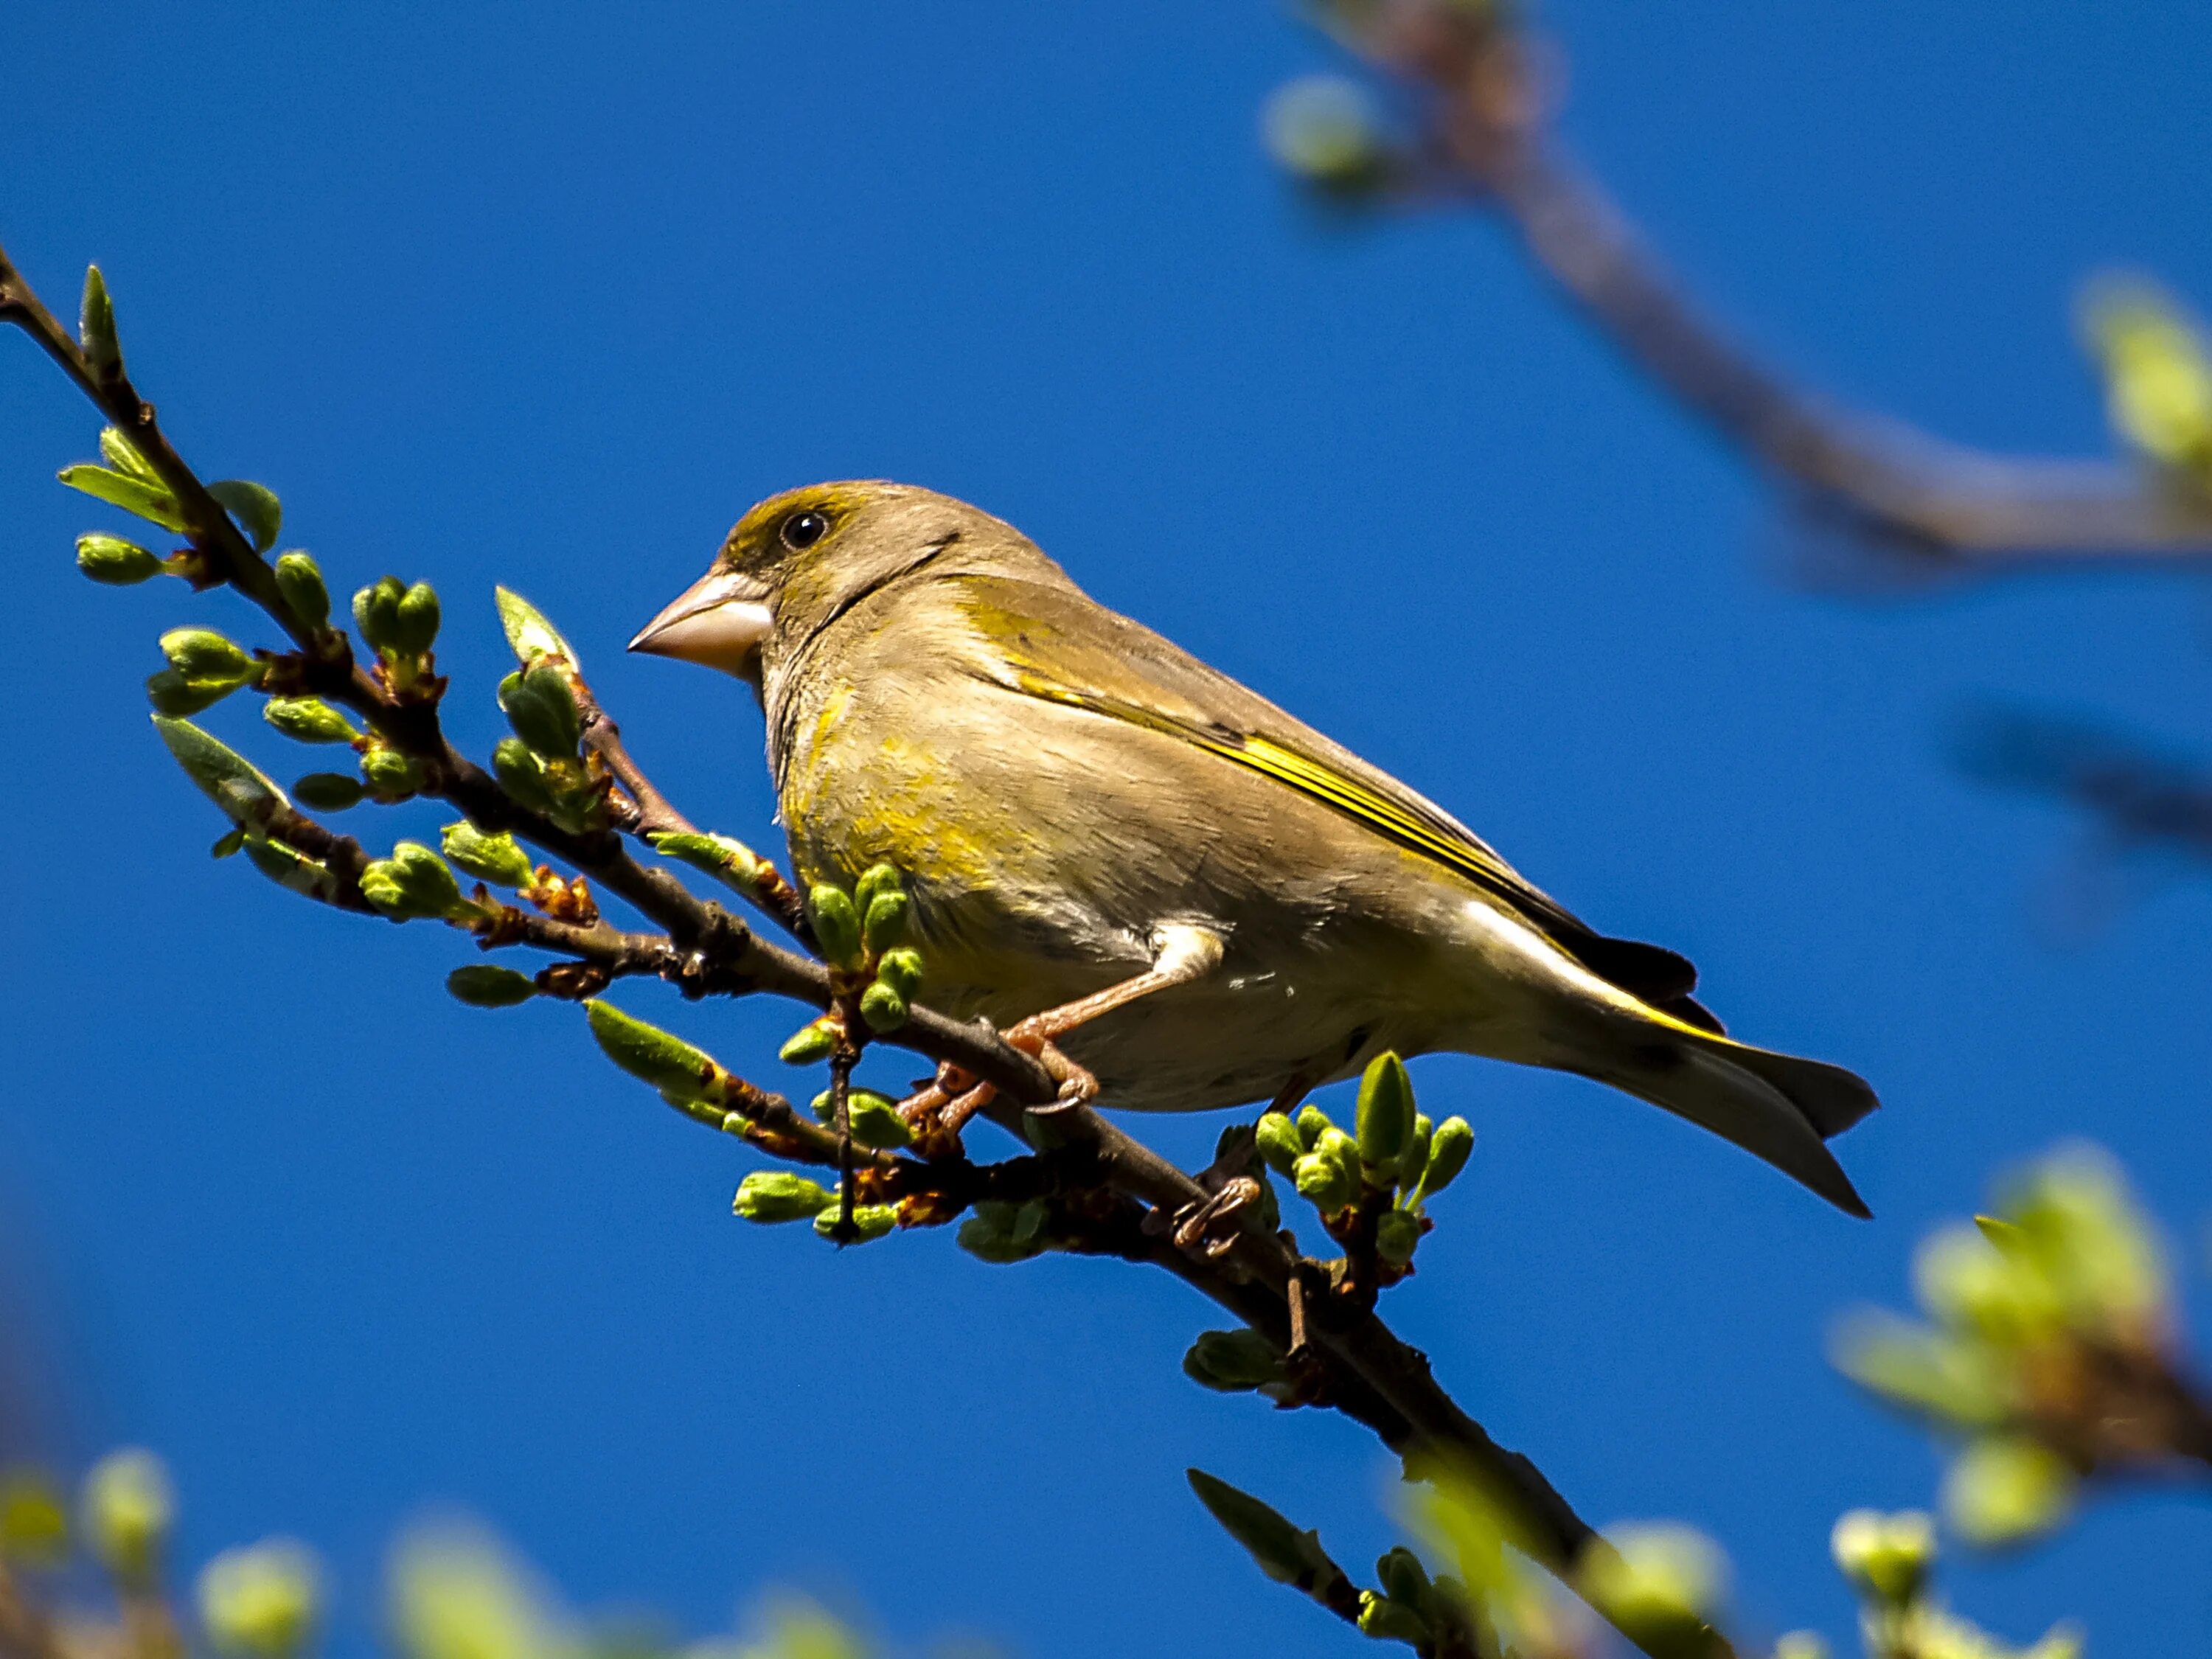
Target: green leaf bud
pixel 2006 1488
pixel 487 985
pixel 329 791
pixel 391 773
pixel 1415 1158
pixel 1385 1115
pixel 653 1055
pixel 542 709
pixel 1334 1143
pixel 729 861
pixel 309 719
pixel 201 653
pixel 127 1509
pixel 111 560
pixel 875 1122
pixel 1390 1620
pixel 1278 1141
pixel 1449 1149
pixel 120 453
pixel 883 1009
pixel 1311 1121
pixel 413 882
pixel 225 776
pixel 770 1196
pixel 415 618
pixel 870 1222
pixel 1886 1555
pixel 228 844
pixel 1960 1379
pixel 1233 1362
pixel 888 914
pixel 522 775
pixel 289 868
pixel 815 1040
pixel 34 1519
pixel 299 579
pixel 498 859
pixel 1327 1183
pixel 528 634
pixel 96 328
pixel 1284 1552
pixel 376 612
pixel 1397 1235
pixel 902 970
pixel 144 499
pixel 1403 1578
pixel 1324 130
pixel 875 880
pixel 1002 1233
pixel 836 924
pixel 261 1602
pixel 255 507
pixel 174 695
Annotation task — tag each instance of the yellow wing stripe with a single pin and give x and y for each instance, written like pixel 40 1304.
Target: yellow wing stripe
pixel 1310 777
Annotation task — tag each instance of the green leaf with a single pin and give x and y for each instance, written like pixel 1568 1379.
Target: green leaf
pixel 1285 1553
pixel 836 924
pixel 124 456
pixel 487 985
pixel 729 861
pixel 225 776
pixel 1385 1112
pixel 116 562
pixel 415 618
pixel 329 791
pixel 150 501
pixel 1233 1362
pixel 1277 1137
pixel 528 632
pixel 291 869
pixel 257 509
pixel 299 579
pixel 653 1055
pixel 2007 1489
pixel 1450 1146
pixel 96 328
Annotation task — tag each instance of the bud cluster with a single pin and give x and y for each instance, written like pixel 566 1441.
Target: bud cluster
pixel 1397 1156
pixel 1888 1560
pixel 399 620
pixel 862 934
pixel 776 1196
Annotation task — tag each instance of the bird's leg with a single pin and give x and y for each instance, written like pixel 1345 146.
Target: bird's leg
pixel 1185 954
pixel 955 1096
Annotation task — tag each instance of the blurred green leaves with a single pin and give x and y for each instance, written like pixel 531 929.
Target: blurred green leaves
pixel 2158 379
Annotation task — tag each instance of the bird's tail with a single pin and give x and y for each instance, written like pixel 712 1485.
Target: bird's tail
pixel 1777 1106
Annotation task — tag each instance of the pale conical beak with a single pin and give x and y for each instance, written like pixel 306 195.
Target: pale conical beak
pixel 719 621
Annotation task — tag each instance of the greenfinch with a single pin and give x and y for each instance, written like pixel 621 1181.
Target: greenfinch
pixel 1123 855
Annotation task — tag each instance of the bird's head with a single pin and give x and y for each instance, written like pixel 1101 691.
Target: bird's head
pixel 798 560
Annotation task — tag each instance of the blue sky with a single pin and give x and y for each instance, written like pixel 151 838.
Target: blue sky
pixel 535 296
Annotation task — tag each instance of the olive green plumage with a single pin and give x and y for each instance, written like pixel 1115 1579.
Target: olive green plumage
pixel 1068 792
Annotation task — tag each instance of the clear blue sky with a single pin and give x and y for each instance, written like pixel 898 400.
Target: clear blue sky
pixel 545 295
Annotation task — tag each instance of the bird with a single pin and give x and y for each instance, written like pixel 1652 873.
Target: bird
pixel 1187 896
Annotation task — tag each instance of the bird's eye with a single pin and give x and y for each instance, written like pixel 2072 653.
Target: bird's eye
pixel 802 530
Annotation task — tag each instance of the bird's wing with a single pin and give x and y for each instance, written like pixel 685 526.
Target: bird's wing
pixel 1054 644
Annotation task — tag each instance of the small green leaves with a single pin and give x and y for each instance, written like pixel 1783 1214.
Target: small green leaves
pixel 376 612
pixel 815 1040
pixel 901 970
pixel 308 720
pixel 399 620
pixel 289 868
pixel 128 1509
pixel 146 499
pixel 2007 1489
pixel 204 669
pixel 1279 1144
pixel 261 1602
pixel 115 561
pixel 299 579
pixel 774 1196
pixel 1284 1552
pixel 498 859
pixel 414 882
pixel 1886 1557
pixel 731 862
pixel 329 791
pixel 391 775
pixel 870 1223
pixel 1000 1232
pixel 540 707
pixel 96 329
pixel 259 514
pixel 521 773
pixel 1327 1176
pixel 653 1055
pixel 875 1121
pixel 487 985
pixel 244 792
pixel 1397 1233
pixel 1448 1149
pixel 1658 1583
pixel 836 925
pixel 883 1009
pixel 528 634
pixel 415 618
pixel 1385 1114
pixel 1234 1362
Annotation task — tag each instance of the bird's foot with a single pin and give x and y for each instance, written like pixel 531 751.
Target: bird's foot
pixel 940 1107
pixel 1034 1037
